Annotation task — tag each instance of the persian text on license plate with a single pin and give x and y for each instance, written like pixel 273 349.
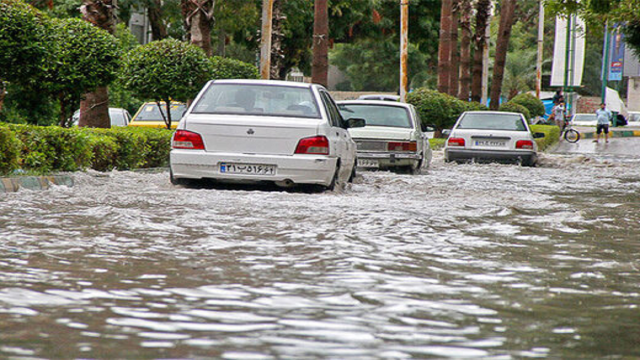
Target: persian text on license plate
pixel 491 143
pixel 367 163
pixel 248 169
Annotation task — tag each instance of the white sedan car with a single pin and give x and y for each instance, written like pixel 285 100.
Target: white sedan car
pixel 257 130
pixel 392 137
pixel 492 136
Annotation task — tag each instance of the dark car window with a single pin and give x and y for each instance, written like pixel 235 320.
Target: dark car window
pixel 260 100
pixel 492 121
pixel 378 115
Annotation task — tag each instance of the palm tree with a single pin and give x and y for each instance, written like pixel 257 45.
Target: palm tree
pixel 507 18
pixel 465 50
pixel 454 74
pixel 320 62
pixel 483 12
pixel 519 72
pixel 444 48
pixel 199 20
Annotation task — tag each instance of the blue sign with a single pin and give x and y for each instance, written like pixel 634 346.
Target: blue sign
pixel 617 55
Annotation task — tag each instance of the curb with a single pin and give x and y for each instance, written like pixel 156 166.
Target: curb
pixel 612 133
pixel 14 184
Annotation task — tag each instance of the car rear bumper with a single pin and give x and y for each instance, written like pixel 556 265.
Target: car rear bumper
pixel 490 155
pixel 300 169
pixel 386 159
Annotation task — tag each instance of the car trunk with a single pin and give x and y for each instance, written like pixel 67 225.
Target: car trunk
pixel 375 138
pixel 490 140
pixel 251 134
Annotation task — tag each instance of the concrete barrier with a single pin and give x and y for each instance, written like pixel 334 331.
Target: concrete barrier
pixel 12 184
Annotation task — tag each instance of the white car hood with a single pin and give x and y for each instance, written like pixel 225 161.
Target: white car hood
pixel 381 132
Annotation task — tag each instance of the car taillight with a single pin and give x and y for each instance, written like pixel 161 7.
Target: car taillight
pixel 455 141
pixel 184 139
pixel 402 146
pixel 318 145
pixel 524 144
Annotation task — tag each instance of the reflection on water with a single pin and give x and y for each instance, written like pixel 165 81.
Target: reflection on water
pixel 465 261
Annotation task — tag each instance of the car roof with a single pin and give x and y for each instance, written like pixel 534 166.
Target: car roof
pixel 492 112
pixel 374 102
pixel 264 82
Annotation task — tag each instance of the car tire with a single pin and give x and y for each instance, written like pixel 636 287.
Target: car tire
pixel 334 180
pixel 177 181
pixel 353 172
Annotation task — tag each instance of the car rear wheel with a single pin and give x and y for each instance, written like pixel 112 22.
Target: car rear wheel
pixel 177 181
pixel 353 172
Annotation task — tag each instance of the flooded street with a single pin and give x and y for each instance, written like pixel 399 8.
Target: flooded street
pixel 464 261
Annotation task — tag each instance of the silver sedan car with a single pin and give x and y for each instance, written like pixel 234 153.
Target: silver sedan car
pixel 393 137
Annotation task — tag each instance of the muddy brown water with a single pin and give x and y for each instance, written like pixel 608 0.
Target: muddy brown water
pixel 465 261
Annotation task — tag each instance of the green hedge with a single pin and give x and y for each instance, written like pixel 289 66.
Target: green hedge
pixel 551 135
pixel 45 149
pixel 439 109
pixel 532 103
pixel 516 108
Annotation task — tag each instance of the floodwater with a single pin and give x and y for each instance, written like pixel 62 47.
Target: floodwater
pixel 494 261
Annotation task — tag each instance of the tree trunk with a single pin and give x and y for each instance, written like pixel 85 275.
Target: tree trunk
pixel 198 18
pixel 222 42
pixel 483 8
pixel 320 62
pixel 94 110
pixel 454 74
pixel 507 18
pixel 277 35
pixel 158 28
pixel 465 50
pixel 444 47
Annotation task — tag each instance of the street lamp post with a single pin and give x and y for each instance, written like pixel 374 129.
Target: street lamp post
pixel 265 42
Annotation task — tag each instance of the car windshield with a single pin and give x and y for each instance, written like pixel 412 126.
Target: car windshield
pixel 585 117
pixel 117 117
pixel 262 100
pixel 151 112
pixel 492 121
pixel 377 115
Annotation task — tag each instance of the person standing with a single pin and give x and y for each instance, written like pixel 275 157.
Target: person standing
pixel 557 97
pixel 558 115
pixel 603 115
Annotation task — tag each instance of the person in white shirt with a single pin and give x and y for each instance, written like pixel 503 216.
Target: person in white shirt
pixel 558 115
pixel 603 115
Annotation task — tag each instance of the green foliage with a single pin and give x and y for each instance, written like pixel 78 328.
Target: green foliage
pixel 29 104
pixel 532 103
pixel 551 135
pixel 49 149
pixel 516 108
pixel 165 70
pixel 23 33
pixel 9 150
pixel 52 148
pixel 438 109
pixel 86 57
pixel 226 68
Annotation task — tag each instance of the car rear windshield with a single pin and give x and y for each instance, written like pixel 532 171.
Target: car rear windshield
pixel 377 115
pixel 151 112
pixel 492 121
pixel 261 100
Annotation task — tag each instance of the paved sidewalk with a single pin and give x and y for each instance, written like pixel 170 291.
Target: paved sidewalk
pixel 12 184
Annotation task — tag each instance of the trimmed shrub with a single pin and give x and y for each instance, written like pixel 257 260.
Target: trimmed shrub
pixel 551 135
pixel 532 103
pixel 9 150
pixel 51 148
pixel 517 108
pixel 105 152
pixel 227 68
pixel 438 109
pixel 130 147
pixel 157 146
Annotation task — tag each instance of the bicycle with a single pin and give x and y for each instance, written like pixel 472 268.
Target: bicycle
pixel 569 133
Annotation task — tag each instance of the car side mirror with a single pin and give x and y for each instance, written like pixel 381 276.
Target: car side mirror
pixel 446 132
pixel 427 127
pixel 355 123
pixel 538 135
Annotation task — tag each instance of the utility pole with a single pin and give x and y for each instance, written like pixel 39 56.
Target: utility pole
pixel 404 42
pixel 540 49
pixel 485 61
pixel 320 62
pixel 265 42
pixel 605 62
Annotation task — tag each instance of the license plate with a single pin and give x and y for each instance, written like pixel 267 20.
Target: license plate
pixel 248 169
pixel 491 143
pixel 368 163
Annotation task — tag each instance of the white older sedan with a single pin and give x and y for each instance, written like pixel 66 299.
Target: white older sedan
pixel 492 136
pixel 255 130
pixel 392 138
